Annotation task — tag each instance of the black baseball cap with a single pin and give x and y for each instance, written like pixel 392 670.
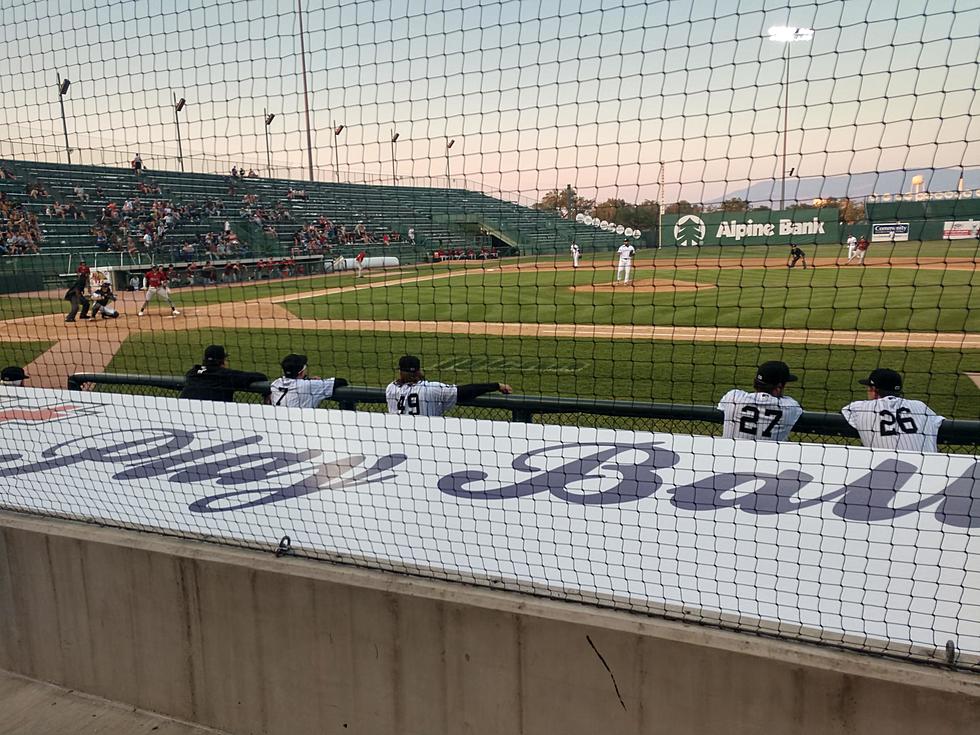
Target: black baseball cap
pixel 13 373
pixel 774 372
pixel 884 379
pixel 215 353
pixel 409 364
pixel 292 365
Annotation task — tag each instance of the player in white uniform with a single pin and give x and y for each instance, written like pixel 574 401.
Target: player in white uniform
pixel 626 252
pixel 888 421
pixel 576 254
pixel 296 390
pixel 411 394
pixel 852 243
pixel 766 414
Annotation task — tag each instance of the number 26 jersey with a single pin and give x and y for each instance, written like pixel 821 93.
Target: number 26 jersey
pixel 894 422
pixel 424 398
pixel 759 416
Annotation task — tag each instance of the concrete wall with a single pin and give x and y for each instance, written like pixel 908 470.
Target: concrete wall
pixel 248 643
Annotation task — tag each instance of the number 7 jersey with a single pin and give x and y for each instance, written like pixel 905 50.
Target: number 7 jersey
pixel 759 416
pixel 894 422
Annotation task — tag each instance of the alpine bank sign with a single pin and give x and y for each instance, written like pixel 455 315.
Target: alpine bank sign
pixel 648 521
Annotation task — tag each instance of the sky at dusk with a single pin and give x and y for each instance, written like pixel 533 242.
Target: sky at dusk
pixel 537 95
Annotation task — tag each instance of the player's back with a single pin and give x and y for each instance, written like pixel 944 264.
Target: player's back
pixel 299 393
pixel 424 398
pixel 759 416
pixel 894 422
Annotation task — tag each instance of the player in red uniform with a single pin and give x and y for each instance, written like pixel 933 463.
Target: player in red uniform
pixel 157 284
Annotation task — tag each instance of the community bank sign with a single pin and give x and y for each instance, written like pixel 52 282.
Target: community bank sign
pixel 645 520
pixel 759 227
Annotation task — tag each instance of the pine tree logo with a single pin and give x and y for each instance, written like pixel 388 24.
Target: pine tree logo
pixel 689 230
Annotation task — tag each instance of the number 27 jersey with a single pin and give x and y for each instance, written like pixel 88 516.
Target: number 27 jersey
pixel 894 422
pixel 759 416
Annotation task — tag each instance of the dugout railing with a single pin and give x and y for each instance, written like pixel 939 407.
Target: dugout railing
pixel 953 432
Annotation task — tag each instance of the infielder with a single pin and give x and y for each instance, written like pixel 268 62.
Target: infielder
pixel 796 254
pixel 157 284
pixel 576 254
pixel 852 243
pixel 412 395
pixel 887 420
pixel 766 414
pixel 860 250
pixel 296 390
pixel 626 252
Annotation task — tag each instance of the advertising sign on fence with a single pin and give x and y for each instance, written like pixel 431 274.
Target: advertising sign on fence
pixel 756 227
pixel 841 542
pixel 890 232
pixel 961 229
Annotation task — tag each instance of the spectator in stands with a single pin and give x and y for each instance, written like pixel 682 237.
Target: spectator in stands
pixel 295 193
pixel 252 174
pixel 411 236
pixel 36 191
pixel 234 172
pixel 80 194
pixel 137 165
pixel 213 380
pixel 15 376
pixel 7 174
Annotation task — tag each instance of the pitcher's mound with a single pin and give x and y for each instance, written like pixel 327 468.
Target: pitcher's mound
pixel 644 285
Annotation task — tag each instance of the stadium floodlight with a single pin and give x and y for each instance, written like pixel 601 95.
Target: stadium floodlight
pixel 178 106
pixel 306 90
pixel 449 145
pixel 787 35
pixel 269 117
pixel 394 171
pixel 337 130
pixel 63 85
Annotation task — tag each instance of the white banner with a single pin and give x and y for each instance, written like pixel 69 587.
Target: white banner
pixel 890 232
pixel 878 547
pixel 961 230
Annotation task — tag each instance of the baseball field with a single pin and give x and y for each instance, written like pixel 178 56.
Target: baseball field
pixel 693 323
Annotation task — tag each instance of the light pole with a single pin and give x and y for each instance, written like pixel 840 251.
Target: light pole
pixel 178 106
pixel 269 117
pixel 394 171
pixel 306 92
pixel 449 145
pixel 787 35
pixel 337 130
pixel 63 86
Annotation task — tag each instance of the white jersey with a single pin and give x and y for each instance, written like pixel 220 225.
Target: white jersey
pixel 574 250
pixel 626 253
pixel 894 422
pixel 425 398
pixel 852 242
pixel 300 393
pixel 759 416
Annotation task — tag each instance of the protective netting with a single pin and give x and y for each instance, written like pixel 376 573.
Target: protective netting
pixel 677 234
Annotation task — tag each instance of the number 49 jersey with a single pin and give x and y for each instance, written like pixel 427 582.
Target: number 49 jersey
pixel 894 422
pixel 759 416
pixel 424 398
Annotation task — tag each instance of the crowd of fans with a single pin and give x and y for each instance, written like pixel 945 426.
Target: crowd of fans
pixel 19 230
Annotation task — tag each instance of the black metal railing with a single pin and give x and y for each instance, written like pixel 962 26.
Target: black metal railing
pixel 524 408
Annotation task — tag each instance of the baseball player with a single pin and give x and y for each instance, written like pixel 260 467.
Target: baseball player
pixel 213 380
pixel 852 243
pixel 13 375
pixel 886 420
pixel 102 300
pixel 765 414
pixel 411 394
pixel 297 390
pixel 157 284
pixel 359 263
pixel 626 252
pixel 860 250
pixel 796 254
pixel 576 254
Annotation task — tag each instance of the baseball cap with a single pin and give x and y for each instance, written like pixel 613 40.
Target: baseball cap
pixel 292 365
pixel 215 353
pixel 774 372
pixel 409 364
pixel 13 373
pixel 884 379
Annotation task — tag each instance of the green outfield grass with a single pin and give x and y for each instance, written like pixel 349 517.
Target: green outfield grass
pixel 697 373
pixel 18 307
pixel 21 353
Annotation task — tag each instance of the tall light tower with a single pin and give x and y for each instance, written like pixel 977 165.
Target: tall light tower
pixel 449 145
pixel 178 106
pixel 394 170
pixel 337 130
pixel 306 92
pixel 787 35
pixel 63 85
pixel 269 117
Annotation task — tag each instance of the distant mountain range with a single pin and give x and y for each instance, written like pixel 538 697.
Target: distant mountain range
pixel 857 185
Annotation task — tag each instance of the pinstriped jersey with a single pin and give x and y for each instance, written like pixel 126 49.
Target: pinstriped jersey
pixel 424 398
pixel 759 416
pixel 893 422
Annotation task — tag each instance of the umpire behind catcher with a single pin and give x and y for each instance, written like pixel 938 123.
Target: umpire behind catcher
pixel 213 380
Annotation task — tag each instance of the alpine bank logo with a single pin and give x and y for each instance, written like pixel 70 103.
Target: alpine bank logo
pixel 689 230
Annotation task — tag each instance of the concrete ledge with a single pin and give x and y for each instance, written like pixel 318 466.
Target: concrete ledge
pixel 247 642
